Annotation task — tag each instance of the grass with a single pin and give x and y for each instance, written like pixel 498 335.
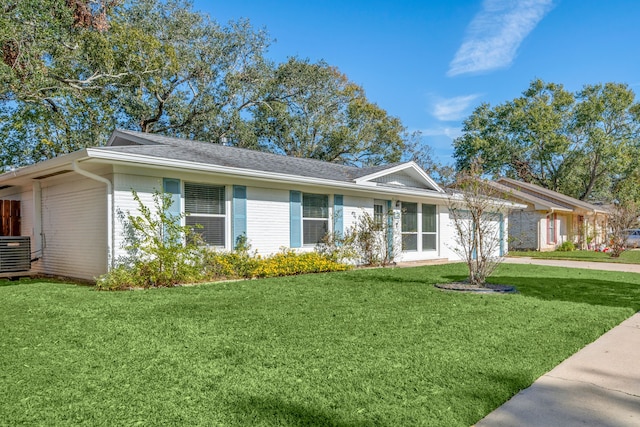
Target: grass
pixel 361 348
pixel 627 257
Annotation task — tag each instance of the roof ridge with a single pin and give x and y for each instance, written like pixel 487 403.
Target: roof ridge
pixel 154 138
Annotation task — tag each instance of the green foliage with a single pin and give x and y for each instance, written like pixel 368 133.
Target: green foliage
pixel 314 111
pixel 622 217
pixel 72 71
pixel 582 144
pixel 365 243
pixel 161 251
pixel 567 246
pixel 240 264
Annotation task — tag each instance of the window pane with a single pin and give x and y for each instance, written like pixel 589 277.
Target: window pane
pixel 428 218
pixel 315 206
pixel 378 214
pixel 212 230
pixel 409 242
pixel 313 231
pixel 409 217
pixel 428 242
pixel 204 199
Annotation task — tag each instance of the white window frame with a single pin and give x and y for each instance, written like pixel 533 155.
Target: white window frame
pixel 224 216
pixel 315 219
pixel 429 233
pixel 420 233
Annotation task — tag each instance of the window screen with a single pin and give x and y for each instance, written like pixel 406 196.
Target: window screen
pixel 315 218
pixel 205 211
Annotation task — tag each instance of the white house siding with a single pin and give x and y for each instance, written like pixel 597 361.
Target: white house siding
pixel 74 227
pixel 524 229
pixel 124 203
pixel 267 219
pixel 493 226
pixel 268 209
pixel 353 209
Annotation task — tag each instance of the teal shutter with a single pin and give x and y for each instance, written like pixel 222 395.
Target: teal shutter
pixel 172 186
pixel 239 212
pixel 295 219
pixel 338 215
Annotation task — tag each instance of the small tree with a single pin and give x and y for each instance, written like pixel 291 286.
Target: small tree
pixel 476 208
pixel 622 217
pixel 160 250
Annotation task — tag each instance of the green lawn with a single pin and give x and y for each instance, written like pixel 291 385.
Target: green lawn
pixel 627 257
pixel 369 347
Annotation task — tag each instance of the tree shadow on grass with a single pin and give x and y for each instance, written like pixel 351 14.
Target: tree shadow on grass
pixel 589 291
pixel 270 410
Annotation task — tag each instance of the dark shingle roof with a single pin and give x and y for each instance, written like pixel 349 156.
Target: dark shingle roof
pixel 216 154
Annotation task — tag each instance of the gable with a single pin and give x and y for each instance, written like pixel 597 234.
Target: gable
pixel 403 175
pixel 401 179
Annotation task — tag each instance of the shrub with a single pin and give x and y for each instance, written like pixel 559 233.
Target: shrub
pixel 160 251
pixel 288 262
pixel 567 246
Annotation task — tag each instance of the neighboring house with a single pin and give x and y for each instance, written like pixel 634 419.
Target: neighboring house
pixel 71 206
pixel 551 218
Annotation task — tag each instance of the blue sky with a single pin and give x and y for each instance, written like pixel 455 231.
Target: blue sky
pixel 430 63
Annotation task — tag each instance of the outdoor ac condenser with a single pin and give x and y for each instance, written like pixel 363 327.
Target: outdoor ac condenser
pixel 15 253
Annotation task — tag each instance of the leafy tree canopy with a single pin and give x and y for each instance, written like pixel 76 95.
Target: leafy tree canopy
pixel 584 144
pixel 73 70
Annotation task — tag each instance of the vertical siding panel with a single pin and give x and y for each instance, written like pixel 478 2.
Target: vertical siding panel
pixel 74 227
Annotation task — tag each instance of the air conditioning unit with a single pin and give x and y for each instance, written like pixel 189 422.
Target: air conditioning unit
pixel 15 253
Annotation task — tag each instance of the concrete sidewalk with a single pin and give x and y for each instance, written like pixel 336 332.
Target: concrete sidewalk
pixel 597 386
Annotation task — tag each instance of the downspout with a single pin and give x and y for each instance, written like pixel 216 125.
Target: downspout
pixel 110 236
pixel 37 221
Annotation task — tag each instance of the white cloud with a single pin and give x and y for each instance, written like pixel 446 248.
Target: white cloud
pixel 495 33
pixel 453 109
pixel 449 132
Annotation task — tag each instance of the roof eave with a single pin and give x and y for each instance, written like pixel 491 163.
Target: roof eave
pixel 159 162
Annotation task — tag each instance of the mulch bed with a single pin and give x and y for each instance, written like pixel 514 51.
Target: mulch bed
pixel 489 288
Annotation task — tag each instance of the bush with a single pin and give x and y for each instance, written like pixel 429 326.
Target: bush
pixel 288 263
pixel 566 247
pixel 160 251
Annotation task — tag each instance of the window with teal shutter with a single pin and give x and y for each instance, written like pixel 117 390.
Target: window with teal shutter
pixel 239 212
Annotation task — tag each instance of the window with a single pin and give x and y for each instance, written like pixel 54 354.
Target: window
pixel 551 228
pixel 429 226
pixel 315 218
pixel 205 206
pixel 378 213
pixel 409 226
